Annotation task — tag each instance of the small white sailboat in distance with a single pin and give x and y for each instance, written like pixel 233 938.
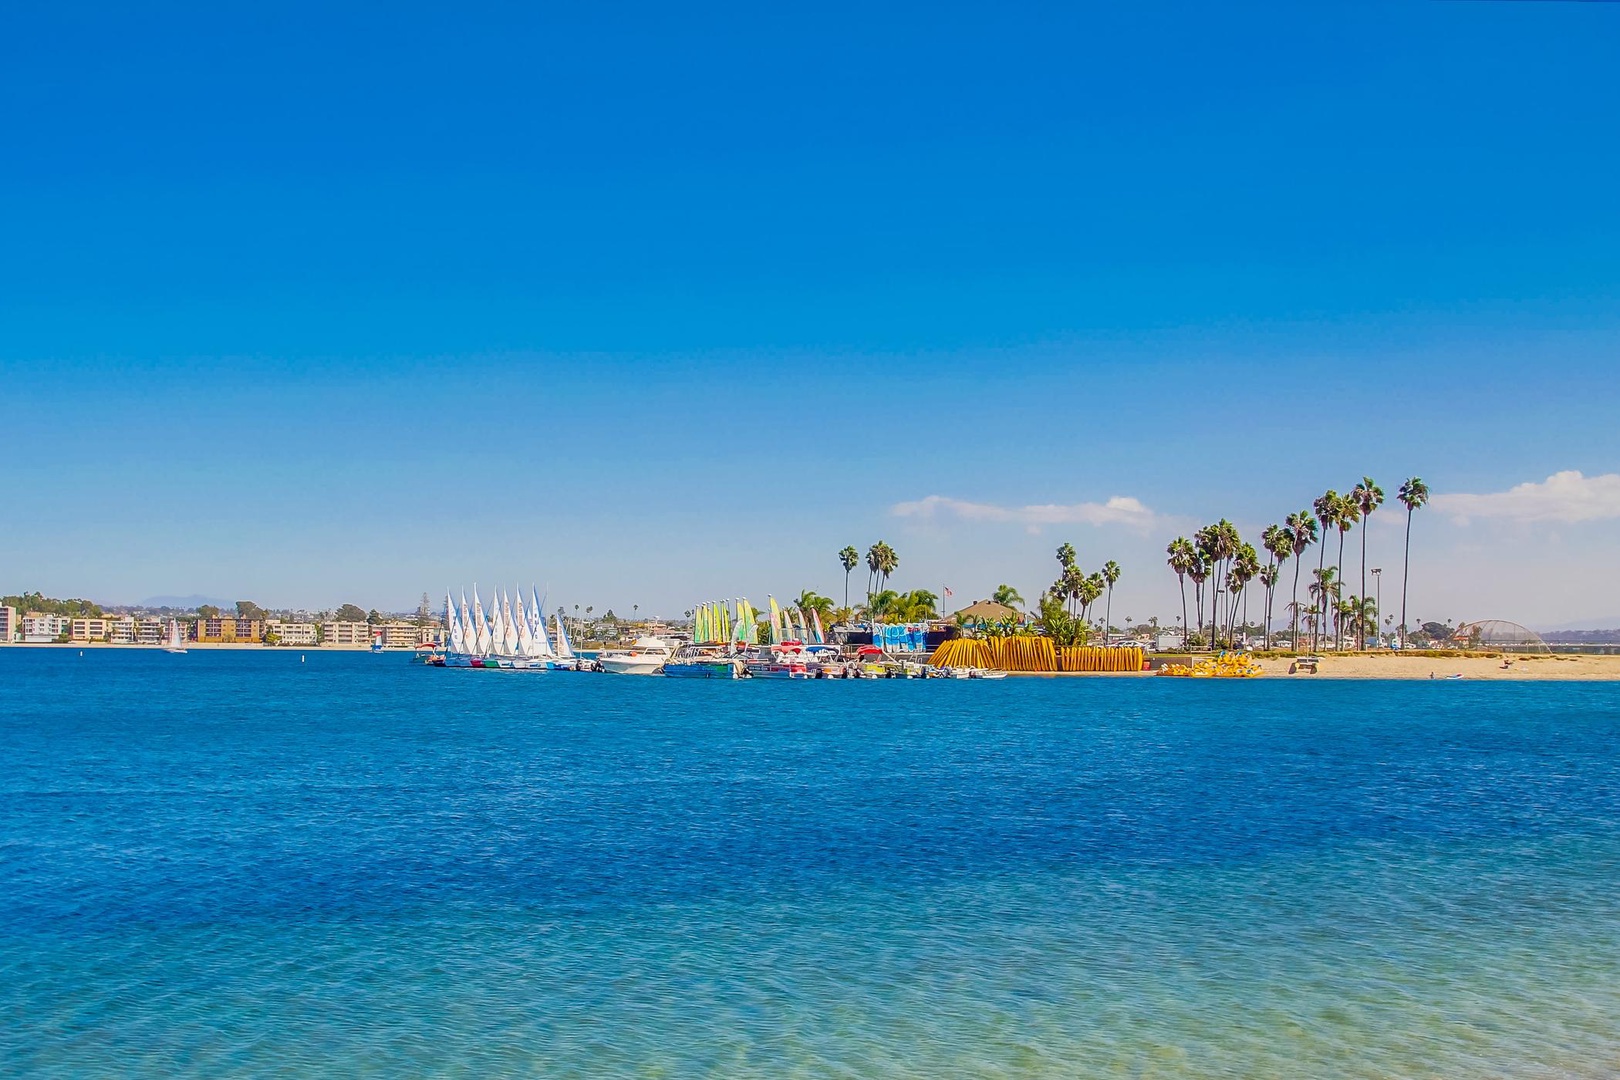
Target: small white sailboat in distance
pixel 175 643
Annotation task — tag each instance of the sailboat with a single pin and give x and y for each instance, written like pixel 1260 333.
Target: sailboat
pixel 175 643
pixel 566 660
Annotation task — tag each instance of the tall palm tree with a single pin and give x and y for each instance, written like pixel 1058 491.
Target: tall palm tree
pixel 1091 586
pixel 891 562
pixel 1179 557
pixel 1110 574
pixel 1065 555
pixel 1301 528
pixel 1199 572
pixel 1368 497
pixel 1325 591
pixel 1345 520
pixel 1279 544
pixel 1268 578
pixel 1207 541
pixel 874 560
pixel 1326 506
pixel 1414 495
pixel 849 558
pixel 1245 566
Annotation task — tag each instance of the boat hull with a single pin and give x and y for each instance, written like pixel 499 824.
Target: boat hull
pixel 720 669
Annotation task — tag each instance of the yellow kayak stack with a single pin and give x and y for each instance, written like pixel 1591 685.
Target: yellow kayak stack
pixel 1024 652
pixel 1224 666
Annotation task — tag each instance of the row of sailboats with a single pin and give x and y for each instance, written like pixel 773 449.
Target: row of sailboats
pixel 737 622
pixel 509 635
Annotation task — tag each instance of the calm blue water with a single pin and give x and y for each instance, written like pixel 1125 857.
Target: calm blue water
pixel 234 862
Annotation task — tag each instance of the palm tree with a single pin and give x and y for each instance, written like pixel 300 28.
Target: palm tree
pixel 1349 513
pixel 1007 595
pixel 1268 578
pixel 1091 587
pixel 1278 540
pixel 1301 528
pixel 1327 512
pixel 1199 572
pixel 1179 557
pixel 1110 574
pixel 1325 592
pixel 809 601
pixel 1245 566
pixel 849 558
pixel 1368 497
pixel 874 561
pixel 890 561
pixel 1065 556
pixel 1413 495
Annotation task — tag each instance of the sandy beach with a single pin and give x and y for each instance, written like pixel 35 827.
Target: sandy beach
pixel 1396 666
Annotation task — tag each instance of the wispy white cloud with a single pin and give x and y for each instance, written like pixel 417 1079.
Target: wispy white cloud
pixel 1563 496
pixel 1117 510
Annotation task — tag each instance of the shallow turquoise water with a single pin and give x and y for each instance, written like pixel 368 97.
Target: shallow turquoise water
pixel 238 863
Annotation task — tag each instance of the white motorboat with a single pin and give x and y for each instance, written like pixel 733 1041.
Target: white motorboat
pixel 645 657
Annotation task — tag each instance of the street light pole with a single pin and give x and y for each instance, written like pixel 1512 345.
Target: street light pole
pixel 1378 591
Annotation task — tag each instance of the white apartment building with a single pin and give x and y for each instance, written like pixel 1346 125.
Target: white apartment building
pixel 345 633
pixel 150 631
pixel 121 630
pixel 293 633
pixel 38 627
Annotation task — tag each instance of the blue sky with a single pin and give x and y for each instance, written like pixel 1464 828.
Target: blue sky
pixel 314 306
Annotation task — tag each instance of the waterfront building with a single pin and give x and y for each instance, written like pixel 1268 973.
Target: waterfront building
pixel 405 635
pixel 150 630
pixel 344 634
pixel 8 625
pixel 121 630
pixel 226 629
pixel 38 627
pixel 89 629
pixel 294 633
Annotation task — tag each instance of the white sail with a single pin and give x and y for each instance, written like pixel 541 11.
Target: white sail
pixel 452 625
pixel 564 650
pixel 525 625
pixel 537 613
pixel 509 640
pixel 467 633
pixel 485 639
pixel 497 627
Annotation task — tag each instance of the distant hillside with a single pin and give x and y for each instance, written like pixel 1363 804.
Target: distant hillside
pixel 1582 637
pixel 186 603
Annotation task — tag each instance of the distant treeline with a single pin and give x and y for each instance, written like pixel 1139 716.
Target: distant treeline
pixel 48 605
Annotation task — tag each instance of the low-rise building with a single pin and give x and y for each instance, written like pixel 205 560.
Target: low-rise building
pixel 89 629
pixel 403 635
pixel 225 629
pixel 121 630
pixel 293 633
pixel 150 631
pixel 39 627
pixel 345 634
pixel 8 625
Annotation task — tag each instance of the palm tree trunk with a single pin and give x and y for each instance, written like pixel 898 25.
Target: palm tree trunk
pixel 1406 566
pixel 1361 637
pixel 1321 564
pixel 1184 611
pixel 1338 620
pixel 1108 613
pixel 1293 640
